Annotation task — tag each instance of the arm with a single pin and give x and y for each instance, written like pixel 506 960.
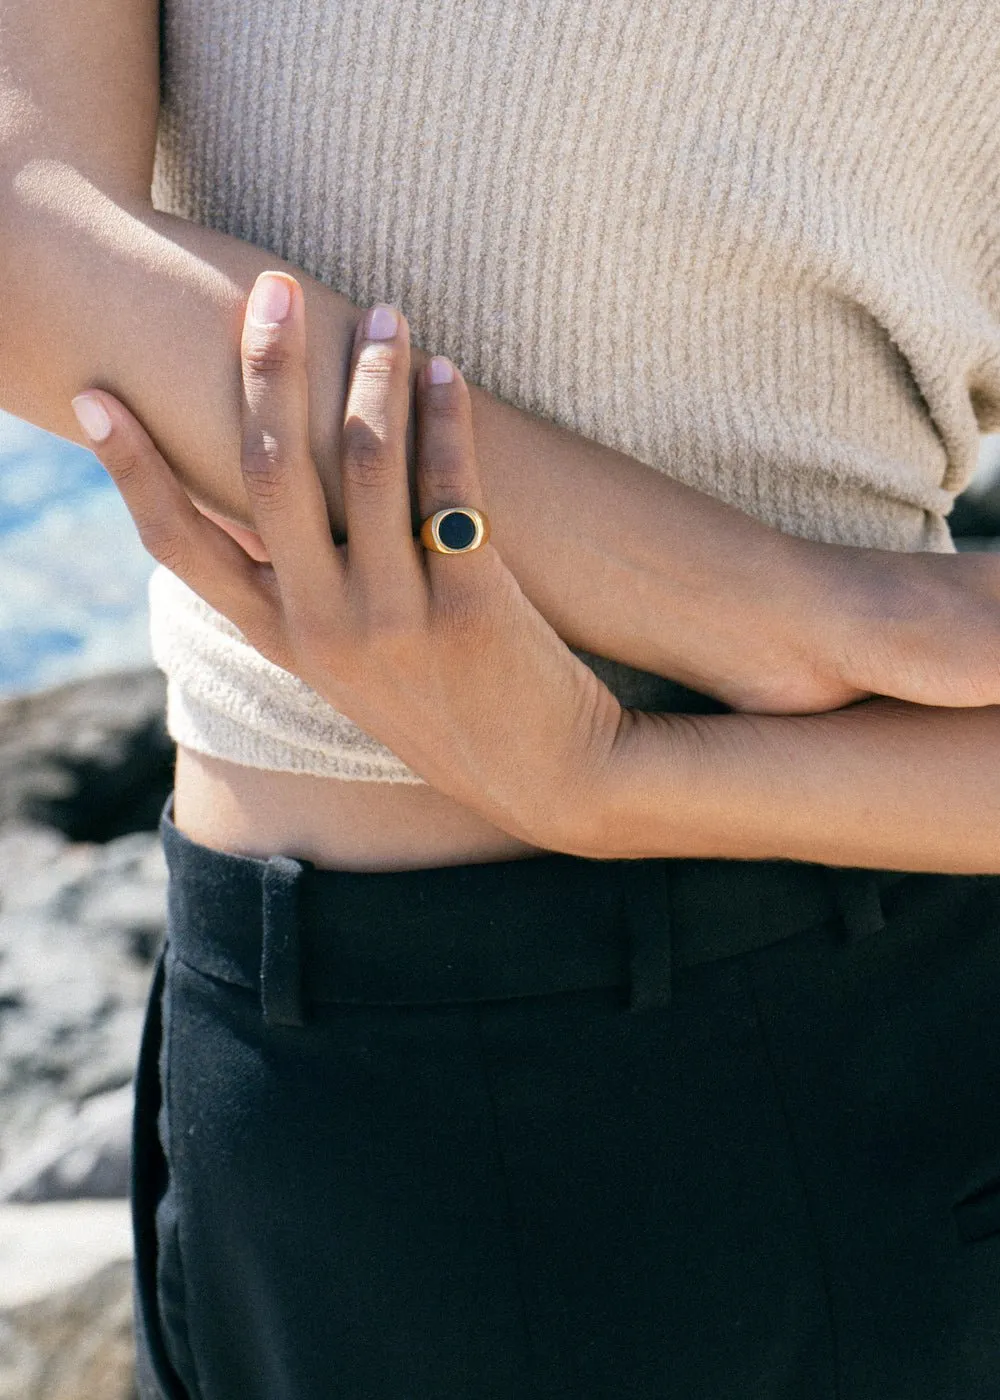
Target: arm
pixel 881 785
pixel 99 289
pixel 148 306
pixel 448 663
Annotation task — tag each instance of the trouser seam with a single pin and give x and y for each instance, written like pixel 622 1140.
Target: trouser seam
pixel 170 959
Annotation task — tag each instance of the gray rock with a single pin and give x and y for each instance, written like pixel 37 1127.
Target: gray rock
pixel 46 1248
pixel 84 772
pixel 85 1156
pixel 25 849
pixel 79 926
pixel 91 758
pixel 76 1344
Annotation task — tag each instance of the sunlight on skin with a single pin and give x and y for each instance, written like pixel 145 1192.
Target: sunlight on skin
pixel 68 196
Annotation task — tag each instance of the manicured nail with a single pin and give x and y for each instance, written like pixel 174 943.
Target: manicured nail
pixel 271 299
pixel 92 417
pixel 440 370
pixel 383 322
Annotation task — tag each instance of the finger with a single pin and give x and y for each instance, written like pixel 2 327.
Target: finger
pixel 382 555
pixel 282 483
pixel 447 472
pixel 173 530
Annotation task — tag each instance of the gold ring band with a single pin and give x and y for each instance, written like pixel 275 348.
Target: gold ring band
pixel 456 522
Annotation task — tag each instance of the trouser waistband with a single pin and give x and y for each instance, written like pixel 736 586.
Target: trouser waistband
pixel 297 934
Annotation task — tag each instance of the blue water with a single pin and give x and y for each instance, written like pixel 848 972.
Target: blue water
pixel 73 574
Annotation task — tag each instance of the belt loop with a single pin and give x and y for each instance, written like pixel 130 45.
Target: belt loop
pixel 859 903
pixel 646 898
pixel 280 952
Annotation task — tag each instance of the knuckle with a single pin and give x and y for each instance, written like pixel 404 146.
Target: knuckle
pixel 366 460
pixel 461 611
pixel 449 472
pixel 378 365
pixel 310 633
pixel 125 468
pixel 264 630
pixel 266 353
pixel 165 542
pixel 393 639
pixel 281 647
pixel 390 624
pixel 263 469
pixel 445 404
pixel 473 605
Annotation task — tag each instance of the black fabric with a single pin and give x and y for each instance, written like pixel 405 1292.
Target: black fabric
pixel 566 1130
pixel 281 991
pixel 480 932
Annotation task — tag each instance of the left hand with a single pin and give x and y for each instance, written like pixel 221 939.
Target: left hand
pixel 441 657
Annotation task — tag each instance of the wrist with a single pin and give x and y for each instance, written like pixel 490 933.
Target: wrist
pixel 622 816
pixel 830 621
pixel 753 620
pixel 915 627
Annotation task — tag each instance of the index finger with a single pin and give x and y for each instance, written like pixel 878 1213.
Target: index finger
pixel 282 483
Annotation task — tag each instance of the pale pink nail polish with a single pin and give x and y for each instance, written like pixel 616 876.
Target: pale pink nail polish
pixel 92 417
pixel 440 370
pixel 383 323
pixel 271 300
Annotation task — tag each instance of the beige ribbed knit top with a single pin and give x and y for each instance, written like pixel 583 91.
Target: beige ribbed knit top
pixel 753 243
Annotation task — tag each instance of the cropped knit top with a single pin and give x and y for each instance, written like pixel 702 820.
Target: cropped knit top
pixel 781 218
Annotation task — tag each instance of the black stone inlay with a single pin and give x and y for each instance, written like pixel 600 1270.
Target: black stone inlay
pixel 457 530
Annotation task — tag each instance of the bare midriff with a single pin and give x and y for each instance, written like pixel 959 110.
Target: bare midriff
pixel 337 825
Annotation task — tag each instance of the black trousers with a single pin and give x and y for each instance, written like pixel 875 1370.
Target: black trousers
pixel 569 1129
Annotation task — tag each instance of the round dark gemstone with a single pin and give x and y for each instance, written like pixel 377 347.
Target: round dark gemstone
pixel 457 530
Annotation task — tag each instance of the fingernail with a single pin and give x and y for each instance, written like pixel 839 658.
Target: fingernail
pixel 440 370
pixel 92 417
pixel 383 322
pixel 271 299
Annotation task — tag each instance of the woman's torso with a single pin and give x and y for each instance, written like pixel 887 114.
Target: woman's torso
pixel 780 216
pixel 337 825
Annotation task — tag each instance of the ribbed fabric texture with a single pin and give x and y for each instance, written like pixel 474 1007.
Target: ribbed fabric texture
pixel 753 243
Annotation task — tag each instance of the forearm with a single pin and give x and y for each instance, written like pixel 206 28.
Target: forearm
pixel 882 785
pixel 106 292
pixel 113 294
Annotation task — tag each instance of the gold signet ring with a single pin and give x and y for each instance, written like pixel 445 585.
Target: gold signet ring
pixel 455 530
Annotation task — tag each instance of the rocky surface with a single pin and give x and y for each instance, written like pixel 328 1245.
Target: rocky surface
pixel 47 1247
pixel 84 772
pixel 74 1344
pixel 79 926
pixel 91 759
pixel 83 1152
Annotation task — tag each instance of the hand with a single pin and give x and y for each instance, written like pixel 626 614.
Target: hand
pixel 793 626
pixel 924 628
pixel 440 657
pixel 783 625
